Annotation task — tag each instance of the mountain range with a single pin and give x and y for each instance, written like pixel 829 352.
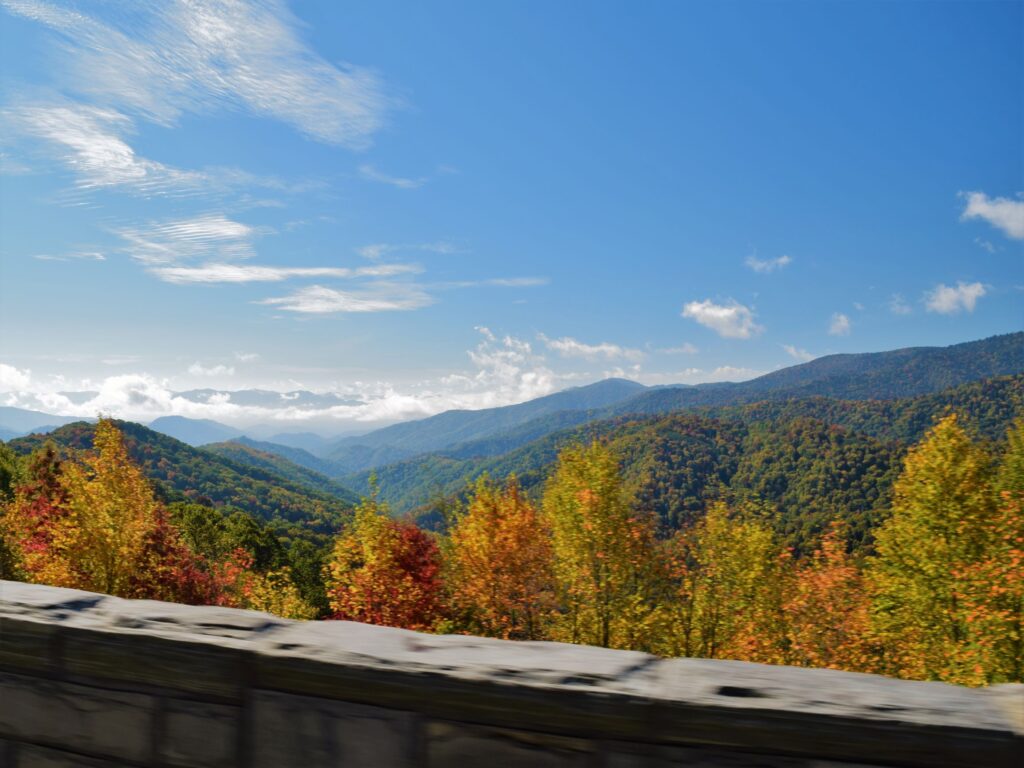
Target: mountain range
pixel 900 373
pixel 814 441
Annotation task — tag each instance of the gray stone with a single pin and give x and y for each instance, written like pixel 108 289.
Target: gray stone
pixel 554 686
pixel 291 730
pixel 76 717
pixel 830 714
pixel 1009 697
pixel 32 756
pixel 26 644
pixel 110 677
pixel 198 734
pixel 452 744
pixel 55 603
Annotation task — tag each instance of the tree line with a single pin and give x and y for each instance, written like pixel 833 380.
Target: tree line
pixel 939 595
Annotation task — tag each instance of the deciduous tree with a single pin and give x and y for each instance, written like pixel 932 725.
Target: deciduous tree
pixel 499 564
pixel 383 571
pixel 605 553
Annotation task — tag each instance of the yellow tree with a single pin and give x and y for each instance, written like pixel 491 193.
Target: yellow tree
pixel 86 525
pixel 993 584
pixel 499 564
pixel 727 601
pixel 942 527
pixel 604 550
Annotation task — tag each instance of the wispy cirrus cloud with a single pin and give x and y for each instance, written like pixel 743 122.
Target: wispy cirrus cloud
pixel 731 320
pixel 950 300
pixel 370 173
pixel 71 256
pixel 1003 213
pixel 252 273
pixel 764 266
pixel 375 251
pixel 375 297
pixel 90 143
pixel 570 347
pixel 163 59
pixel 204 236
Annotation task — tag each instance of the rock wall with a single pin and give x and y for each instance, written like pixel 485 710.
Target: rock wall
pixel 90 680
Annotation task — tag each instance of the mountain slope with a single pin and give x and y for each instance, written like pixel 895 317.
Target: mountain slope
pixel 181 472
pixel 195 432
pixel 21 421
pixel 813 459
pixel 249 454
pixel 451 427
pixel 868 376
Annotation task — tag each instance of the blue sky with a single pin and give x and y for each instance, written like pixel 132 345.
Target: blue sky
pixel 455 204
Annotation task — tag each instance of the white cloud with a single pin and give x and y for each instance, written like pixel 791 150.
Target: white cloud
pixel 92 146
pixel 898 306
pixel 732 320
pixel 1001 212
pixel 949 300
pixel 686 348
pixel 73 256
pixel 197 369
pixel 370 173
pixel 380 297
pixel 985 245
pixel 13 379
pixel 251 273
pixel 798 354
pixel 569 347
pixel 839 325
pixel 516 282
pixel 765 266
pixel 376 251
pixel 172 242
pixel 246 357
pixel 697 375
pixel 164 59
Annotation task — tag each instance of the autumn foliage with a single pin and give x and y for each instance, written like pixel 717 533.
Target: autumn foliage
pixel 383 571
pixel 939 594
pixel 499 567
pixel 95 524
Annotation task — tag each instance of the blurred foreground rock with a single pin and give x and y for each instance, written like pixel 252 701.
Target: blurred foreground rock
pixel 90 680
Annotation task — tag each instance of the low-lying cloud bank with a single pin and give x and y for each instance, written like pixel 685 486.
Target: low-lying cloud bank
pixel 504 370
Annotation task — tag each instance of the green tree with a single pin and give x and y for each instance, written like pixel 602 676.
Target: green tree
pixel 727 602
pixel 942 525
pixel 605 553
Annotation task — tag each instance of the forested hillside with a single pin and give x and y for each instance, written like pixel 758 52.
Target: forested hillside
pixel 809 460
pixel 393 443
pixel 249 453
pixel 183 473
pixel 881 376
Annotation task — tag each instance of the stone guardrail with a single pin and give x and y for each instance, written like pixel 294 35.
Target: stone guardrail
pixel 91 680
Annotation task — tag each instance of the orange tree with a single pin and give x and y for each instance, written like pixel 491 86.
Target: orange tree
pixel 826 609
pixel 383 571
pixel 498 562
